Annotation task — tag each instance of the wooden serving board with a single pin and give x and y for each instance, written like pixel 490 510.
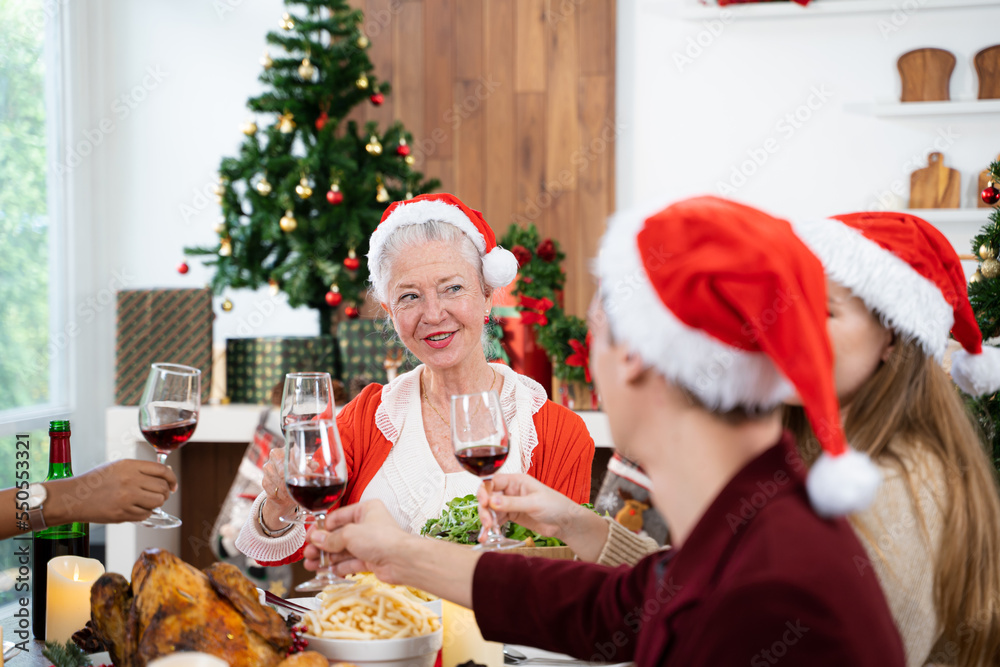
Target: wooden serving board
pixel 926 75
pixel 984 180
pixel 988 69
pixel 935 186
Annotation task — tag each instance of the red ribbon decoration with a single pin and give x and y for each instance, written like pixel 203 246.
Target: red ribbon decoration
pixel 535 310
pixel 580 356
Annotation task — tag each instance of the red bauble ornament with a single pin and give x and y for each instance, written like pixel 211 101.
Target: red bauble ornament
pixel 521 254
pixel 352 312
pixel 352 263
pixel 990 195
pixel 402 150
pixel 182 268
pixel 377 99
pixel 546 250
pixel 335 196
pixel 321 121
pixel 333 298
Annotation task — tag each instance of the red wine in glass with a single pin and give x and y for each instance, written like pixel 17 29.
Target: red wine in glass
pixel 168 437
pixel 483 460
pixel 316 493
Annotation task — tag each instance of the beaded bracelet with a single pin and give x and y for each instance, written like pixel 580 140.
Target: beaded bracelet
pixel 276 533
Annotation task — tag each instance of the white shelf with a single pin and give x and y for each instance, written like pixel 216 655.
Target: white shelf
pixel 692 11
pixel 925 109
pixel 944 216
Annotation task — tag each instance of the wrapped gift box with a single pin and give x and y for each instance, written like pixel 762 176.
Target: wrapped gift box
pixel 161 325
pixel 365 348
pixel 526 357
pixel 254 366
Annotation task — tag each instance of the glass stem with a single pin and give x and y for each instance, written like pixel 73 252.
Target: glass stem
pixel 161 458
pixel 493 532
pixel 323 565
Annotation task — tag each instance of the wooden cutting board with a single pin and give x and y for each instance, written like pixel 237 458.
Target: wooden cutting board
pixel 984 180
pixel 935 186
pixel 988 68
pixel 926 75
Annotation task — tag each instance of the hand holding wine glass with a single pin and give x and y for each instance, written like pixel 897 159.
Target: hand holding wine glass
pixel 168 416
pixel 316 477
pixel 479 437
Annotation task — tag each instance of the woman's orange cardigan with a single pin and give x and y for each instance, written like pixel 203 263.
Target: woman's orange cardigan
pixel 561 460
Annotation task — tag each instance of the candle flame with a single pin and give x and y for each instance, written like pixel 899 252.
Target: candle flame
pixel 76 573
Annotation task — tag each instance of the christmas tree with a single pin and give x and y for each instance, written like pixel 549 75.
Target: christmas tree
pixel 984 294
pixel 306 191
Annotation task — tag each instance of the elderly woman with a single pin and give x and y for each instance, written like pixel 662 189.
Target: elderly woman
pixel 434 266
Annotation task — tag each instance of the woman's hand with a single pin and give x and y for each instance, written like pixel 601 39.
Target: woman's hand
pixel 278 503
pixel 524 500
pixel 358 538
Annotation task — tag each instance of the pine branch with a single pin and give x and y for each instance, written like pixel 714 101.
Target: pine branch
pixel 66 655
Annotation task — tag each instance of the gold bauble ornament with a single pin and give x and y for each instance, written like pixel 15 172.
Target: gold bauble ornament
pixel 977 277
pixel 362 42
pixel 264 187
pixel 286 22
pixel 362 82
pixel 219 189
pixel 227 305
pixel 275 288
pixel 286 123
pixel 409 159
pixel 986 252
pixel 220 228
pixel 265 60
pixel 409 195
pixel 381 194
pixel 288 222
pixel 306 69
pixel 374 146
pixel 990 268
pixel 249 128
pixel 225 248
pixel 303 189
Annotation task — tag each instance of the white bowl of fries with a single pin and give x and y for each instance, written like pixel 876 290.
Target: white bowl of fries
pixel 375 625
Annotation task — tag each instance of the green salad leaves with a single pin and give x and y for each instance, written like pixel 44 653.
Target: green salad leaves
pixel 459 522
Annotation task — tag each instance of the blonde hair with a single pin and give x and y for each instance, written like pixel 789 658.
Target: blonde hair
pixel 910 401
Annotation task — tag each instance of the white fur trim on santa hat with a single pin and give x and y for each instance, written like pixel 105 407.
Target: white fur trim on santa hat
pixel 976 374
pixel 908 302
pixel 844 484
pixel 721 376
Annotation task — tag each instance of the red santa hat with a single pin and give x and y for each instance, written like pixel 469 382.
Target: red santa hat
pixel 907 272
pixel 728 303
pixel 499 265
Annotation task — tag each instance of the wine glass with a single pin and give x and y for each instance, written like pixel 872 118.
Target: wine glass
pixel 168 415
pixel 306 397
pixel 479 437
pixel 316 477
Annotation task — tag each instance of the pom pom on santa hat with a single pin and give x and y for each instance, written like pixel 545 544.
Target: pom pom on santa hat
pixel 746 335
pixel 905 270
pixel 499 265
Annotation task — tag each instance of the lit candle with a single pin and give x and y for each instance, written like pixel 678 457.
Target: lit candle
pixel 67 600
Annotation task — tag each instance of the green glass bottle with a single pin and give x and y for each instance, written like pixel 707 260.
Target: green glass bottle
pixel 71 539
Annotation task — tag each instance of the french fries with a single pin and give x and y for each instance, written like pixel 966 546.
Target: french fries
pixel 414 594
pixel 368 611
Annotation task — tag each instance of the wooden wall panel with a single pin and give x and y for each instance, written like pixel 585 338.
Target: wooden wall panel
pixel 511 104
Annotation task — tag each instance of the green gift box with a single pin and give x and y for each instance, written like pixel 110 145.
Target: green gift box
pixel 254 366
pixel 365 345
pixel 161 325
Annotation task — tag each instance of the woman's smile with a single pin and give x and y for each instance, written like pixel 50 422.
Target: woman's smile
pixel 440 339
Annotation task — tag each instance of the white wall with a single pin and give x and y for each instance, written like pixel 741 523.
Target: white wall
pixel 684 129
pixel 696 98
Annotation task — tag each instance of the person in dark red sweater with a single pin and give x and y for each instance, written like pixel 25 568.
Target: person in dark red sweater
pixel 709 314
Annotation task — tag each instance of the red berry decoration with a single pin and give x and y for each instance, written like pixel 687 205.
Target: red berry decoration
pixel 990 195
pixel 182 268
pixel 333 299
pixel 335 196
pixel 377 99
pixel 321 121
pixel 521 254
pixel 352 312
pixel 546 250
pixel 352 263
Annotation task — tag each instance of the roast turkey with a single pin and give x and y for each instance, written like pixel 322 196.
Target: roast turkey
pixel 171 606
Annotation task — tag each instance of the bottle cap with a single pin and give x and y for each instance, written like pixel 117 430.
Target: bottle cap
pixel 59 426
